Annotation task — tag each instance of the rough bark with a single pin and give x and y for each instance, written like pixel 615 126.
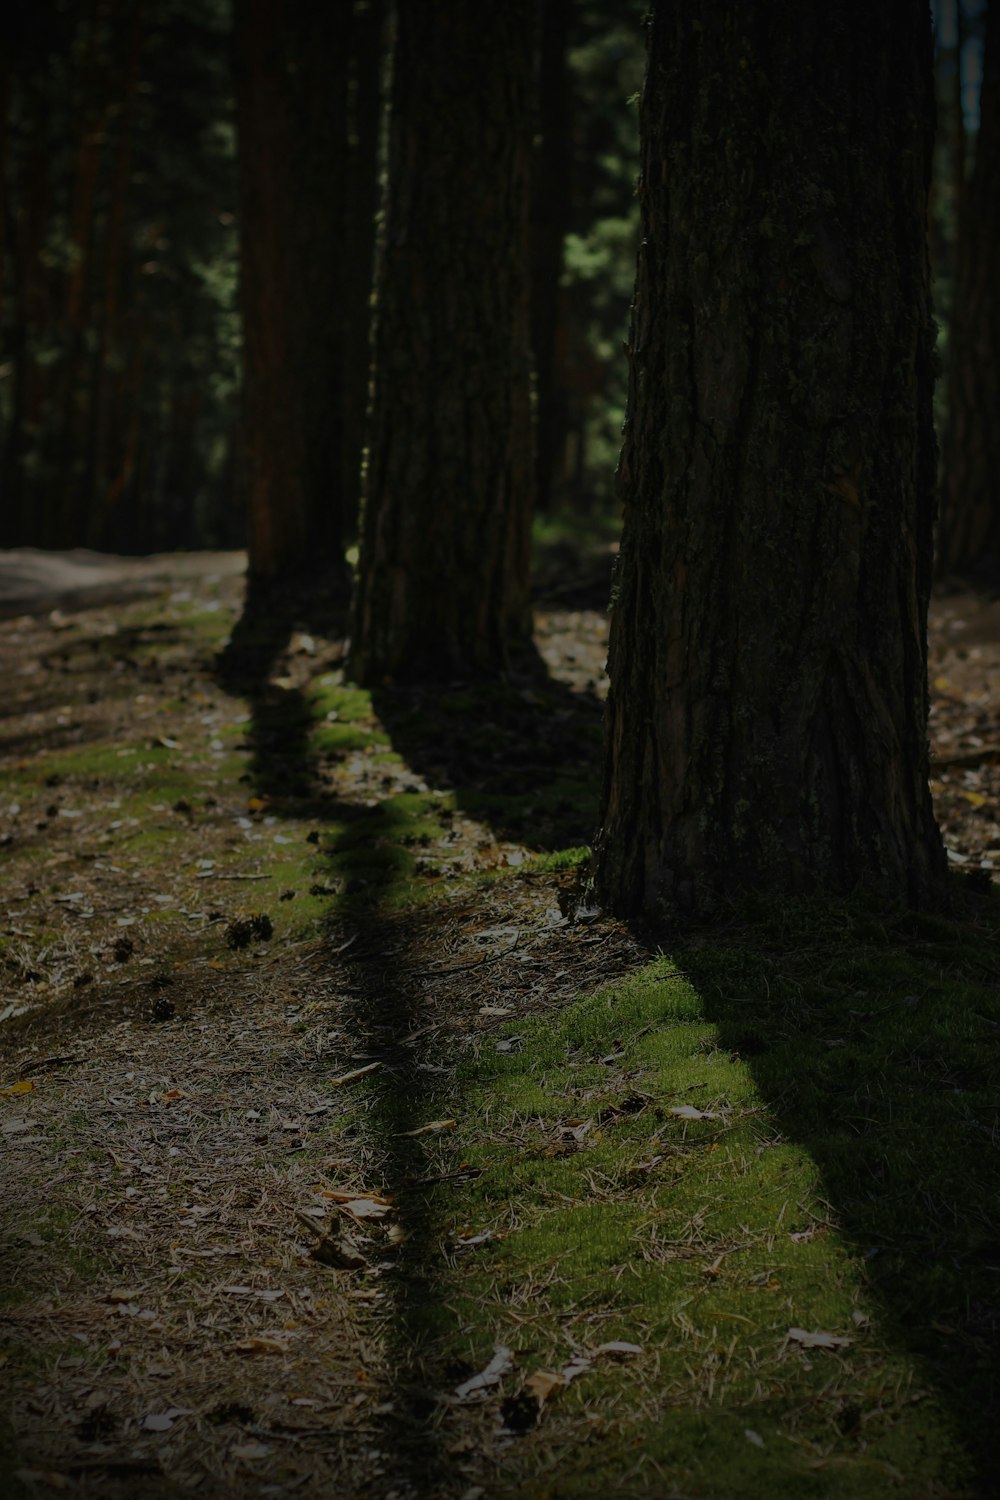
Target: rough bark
pixel 767 716
pixel 443 580
pixel 291 94
pixel 969 535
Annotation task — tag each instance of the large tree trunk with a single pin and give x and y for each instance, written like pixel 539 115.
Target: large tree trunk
pixel 292 69
pixel 969 538
pixel 767 717
pixel 443 585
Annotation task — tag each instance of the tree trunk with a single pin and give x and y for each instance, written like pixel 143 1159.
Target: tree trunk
pixel 969 536
pixel 443 584
pixel 291 95
pixel 768 708
pixel 551 209
pixel 358 235
pixel 106 377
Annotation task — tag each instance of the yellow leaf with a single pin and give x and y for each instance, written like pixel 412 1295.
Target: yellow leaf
pixel 976 798
pixel 541 1385
pixel 24 1086
pixel 256 803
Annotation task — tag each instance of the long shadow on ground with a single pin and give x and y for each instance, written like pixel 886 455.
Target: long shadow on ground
pixel 876 1044
pixel 522 759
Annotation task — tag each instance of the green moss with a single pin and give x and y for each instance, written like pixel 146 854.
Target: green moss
pixel 826 1172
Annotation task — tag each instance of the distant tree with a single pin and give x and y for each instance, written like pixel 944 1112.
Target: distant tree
pixel 969 532
pixel 551 219
pixel 115 254
pixel 443 575
pixel 768 707
pixel 293 90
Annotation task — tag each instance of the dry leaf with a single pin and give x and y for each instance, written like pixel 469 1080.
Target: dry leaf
pixel 250 1450
pixel 51 1477
pixel 541 1385
pixel 164 1420
pixel 578 1365
pixel 360 1206
pixel 261 1346
pixel 476 1387
pixel 817 1340
pixel 355 1073
pixel 688 1112
pixel 753 1437
pixel 434 1128
pixel 616 1346
pixel 24 1086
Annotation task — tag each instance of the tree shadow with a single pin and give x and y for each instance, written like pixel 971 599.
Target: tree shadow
pixel 876 1045
pixel 521 758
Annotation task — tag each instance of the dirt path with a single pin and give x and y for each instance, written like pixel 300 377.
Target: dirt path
pixel 215 1240
pixel 178 1323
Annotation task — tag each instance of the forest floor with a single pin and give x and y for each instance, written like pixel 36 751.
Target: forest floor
pixel 348 1149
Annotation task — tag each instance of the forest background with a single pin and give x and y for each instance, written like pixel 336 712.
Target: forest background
pixel 119 247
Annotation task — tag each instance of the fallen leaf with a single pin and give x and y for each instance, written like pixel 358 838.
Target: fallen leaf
pixel 753 1437
pixel 261 1346
pixel 355 1073
pixel 578 1365
pixel 250 1450
pixel 616 1346
pixel 818 1340
pixel 434 1128
pixel 542 1383
pixel 24 1086
pixel 477 1385
pixel 164 1420
pixel 360 1205
pixel 688 1112
pixel 51 1477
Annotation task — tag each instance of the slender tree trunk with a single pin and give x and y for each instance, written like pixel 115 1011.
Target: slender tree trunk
pixel 106 378
pixel 23 520
pixel 443 579
pixel 292 73
pixel 768 707
pixel 551 209
pixel 358 234
pixel 969 534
